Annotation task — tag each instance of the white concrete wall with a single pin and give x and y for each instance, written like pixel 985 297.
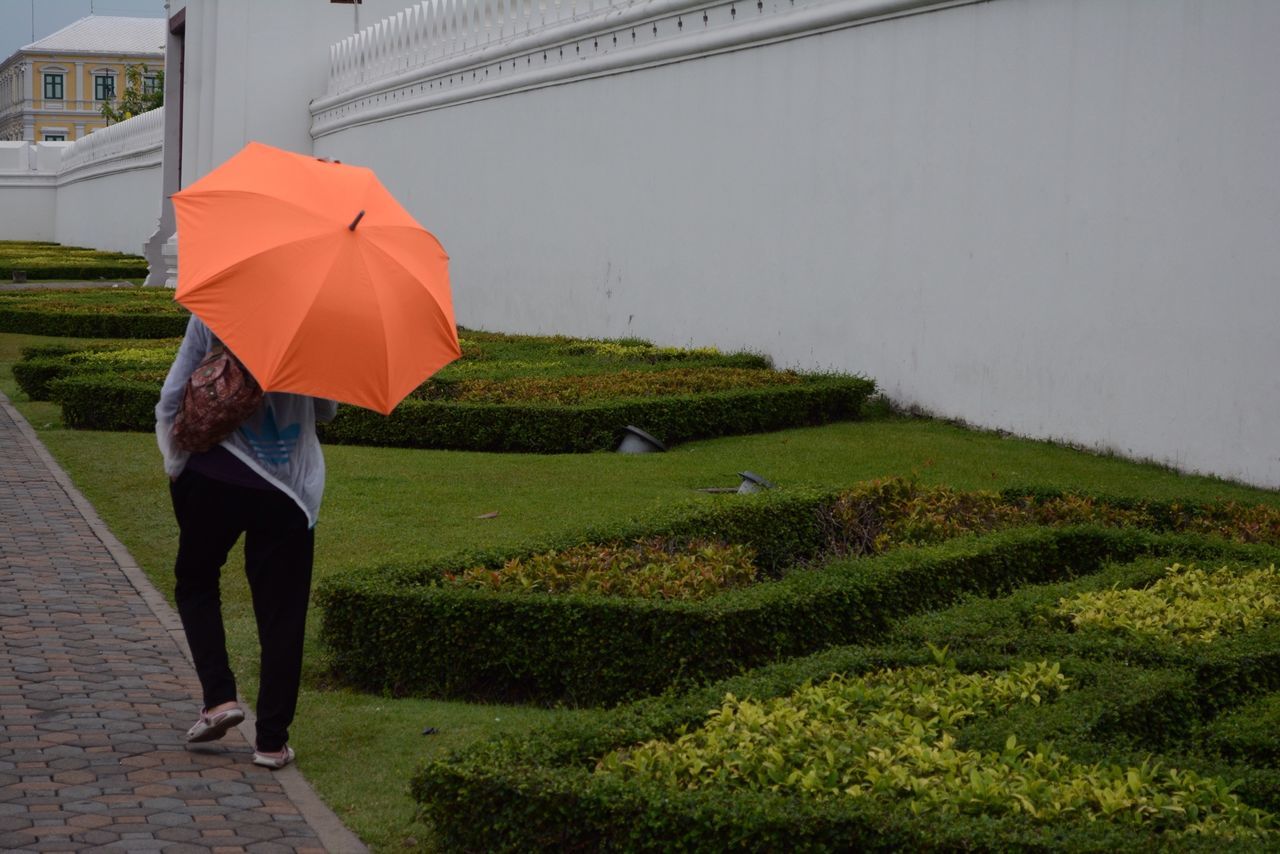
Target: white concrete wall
pixel 28 189
pixel 252 68
pixel 26 208
pixel 1054 217
pixel 102 191
pixel 109 186
pixel 114 212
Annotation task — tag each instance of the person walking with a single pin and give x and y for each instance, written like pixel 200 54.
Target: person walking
pixel 264 482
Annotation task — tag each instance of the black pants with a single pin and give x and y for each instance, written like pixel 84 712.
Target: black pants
pixel 278 550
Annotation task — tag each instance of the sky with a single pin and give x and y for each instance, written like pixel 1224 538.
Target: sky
pixel 53 15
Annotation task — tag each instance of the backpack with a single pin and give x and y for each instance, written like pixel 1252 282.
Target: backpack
pixel 220 395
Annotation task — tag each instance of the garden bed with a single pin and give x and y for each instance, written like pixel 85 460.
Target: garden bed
pixel 93 313
pixel 598 640
pixel 993 725
pixel 41 260
pixel 507 393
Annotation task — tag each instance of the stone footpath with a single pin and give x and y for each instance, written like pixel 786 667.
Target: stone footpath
pixel 97 691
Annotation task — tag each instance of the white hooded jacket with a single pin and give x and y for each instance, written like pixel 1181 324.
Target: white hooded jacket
pixel 278 442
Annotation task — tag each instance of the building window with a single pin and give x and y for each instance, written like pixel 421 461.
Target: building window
pixel 150 84
pixel 55 137
pixel 104 87
pixel 53 87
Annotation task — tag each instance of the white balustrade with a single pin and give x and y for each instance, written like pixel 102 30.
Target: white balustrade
pixel 139 134
pixel 436 30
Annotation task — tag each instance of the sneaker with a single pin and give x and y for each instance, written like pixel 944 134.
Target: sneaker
pixel 273 760
pixel 213 727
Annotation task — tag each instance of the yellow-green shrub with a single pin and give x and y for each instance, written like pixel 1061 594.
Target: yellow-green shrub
pixel 1187 605
pixel 899 511
pixel 890 736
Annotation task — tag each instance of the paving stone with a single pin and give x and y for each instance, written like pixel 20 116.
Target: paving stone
pixel 14 841
pixel 96 696
pixel 96 837
pixel 240 802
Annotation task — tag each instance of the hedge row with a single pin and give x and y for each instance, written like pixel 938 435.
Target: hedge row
pixel 107 402
pixel 41 365
pixel 112 402
pixel 90 325
pixel 489 372
pixel 539 791
pixel 41 260
pixel 1251 733
pixel 1211 676
pixel 93 313
pixel 532 428
pixel 73 269
pixel 584 647
pixel 386 633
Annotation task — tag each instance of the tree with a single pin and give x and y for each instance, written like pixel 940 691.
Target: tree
pixel 143 91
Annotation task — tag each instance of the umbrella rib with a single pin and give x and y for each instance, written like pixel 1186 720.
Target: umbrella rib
pixel 227 272
pixel 438 313
pixel 416 229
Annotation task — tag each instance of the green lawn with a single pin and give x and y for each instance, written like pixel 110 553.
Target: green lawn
pixel 396 504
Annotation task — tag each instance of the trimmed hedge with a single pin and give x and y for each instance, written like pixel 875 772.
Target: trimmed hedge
pixel 1207 678
pixel 34 375
pixel 40 366
pixel 107 402
pixel 532 428
pixel 89 325
pixel 93 313
pixel 388 633
pixel 513 643
pixel 479 427
pixel 538 791
pixel 77 269
pixel 44 260
pixel 1250 733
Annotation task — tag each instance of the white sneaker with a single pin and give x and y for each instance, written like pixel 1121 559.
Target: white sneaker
pixel 275 760
pixel 213 727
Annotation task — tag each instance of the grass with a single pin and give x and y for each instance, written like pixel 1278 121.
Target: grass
pixel 398 504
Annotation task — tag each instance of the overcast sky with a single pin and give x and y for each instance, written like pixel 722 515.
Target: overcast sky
pixel 53 15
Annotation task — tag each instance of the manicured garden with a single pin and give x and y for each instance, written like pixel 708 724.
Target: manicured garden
pixel 1099 713
pixel 41 260
pixel 540 394
pixel 924 637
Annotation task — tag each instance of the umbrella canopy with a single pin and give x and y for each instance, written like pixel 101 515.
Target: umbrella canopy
pixel 315 277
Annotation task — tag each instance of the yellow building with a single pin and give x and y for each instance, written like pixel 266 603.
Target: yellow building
pixel 53 89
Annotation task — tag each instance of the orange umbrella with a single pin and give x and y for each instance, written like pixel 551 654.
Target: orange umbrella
pixel 315 277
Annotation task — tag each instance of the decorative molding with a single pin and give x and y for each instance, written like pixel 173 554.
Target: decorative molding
pixel 423 59
pixel 133 144
pixel 27 181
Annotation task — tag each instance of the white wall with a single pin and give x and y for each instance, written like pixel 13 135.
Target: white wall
pixel 102 191
pixel 26 208
pixel 1054 217
pixel 28 189
pixel 114 212
pixel 252 69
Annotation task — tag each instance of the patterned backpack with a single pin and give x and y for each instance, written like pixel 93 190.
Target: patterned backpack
pixel 219 396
